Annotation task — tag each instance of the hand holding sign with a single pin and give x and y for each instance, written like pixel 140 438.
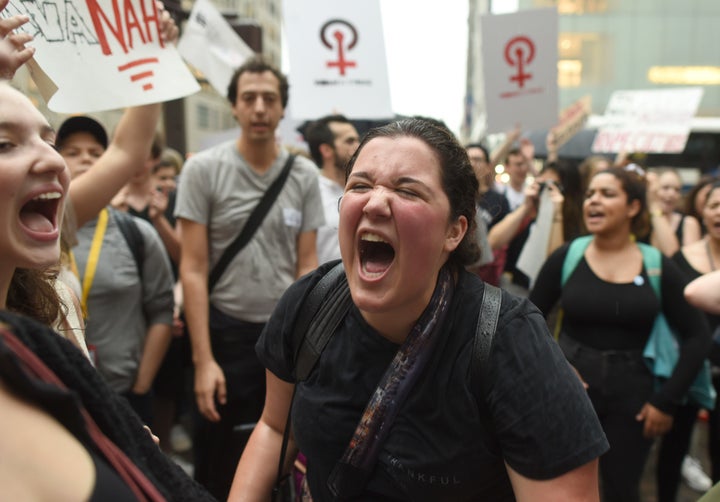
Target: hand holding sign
pixel 13 53
pixel 103 54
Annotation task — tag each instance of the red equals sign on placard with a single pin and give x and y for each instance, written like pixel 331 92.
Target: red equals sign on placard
pixel 142 72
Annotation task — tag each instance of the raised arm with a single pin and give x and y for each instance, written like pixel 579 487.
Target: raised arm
pixel 128 150
pixel 126 153
pixel 501 151
pixel 506 229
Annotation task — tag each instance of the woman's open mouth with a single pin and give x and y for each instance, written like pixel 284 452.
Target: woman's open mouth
pixel 376 254
pixel 40 214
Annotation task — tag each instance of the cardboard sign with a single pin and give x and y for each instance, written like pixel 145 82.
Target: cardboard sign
pixel 95 55
pixel 572 120
pixel 520 55
pixel 650 121
pixel 211 45
pixel 337 59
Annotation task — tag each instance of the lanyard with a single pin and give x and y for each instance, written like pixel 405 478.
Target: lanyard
pixel 93 256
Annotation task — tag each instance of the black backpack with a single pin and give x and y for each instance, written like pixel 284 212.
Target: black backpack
pixel 132 235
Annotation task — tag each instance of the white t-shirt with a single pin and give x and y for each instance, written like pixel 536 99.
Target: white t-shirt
pixel 328 247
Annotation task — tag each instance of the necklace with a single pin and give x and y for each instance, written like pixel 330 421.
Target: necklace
pixel 709 255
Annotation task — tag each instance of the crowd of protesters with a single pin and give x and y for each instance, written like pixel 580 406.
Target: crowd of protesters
pixel 335 313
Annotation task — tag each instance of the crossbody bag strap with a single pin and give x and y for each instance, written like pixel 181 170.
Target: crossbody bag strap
pixel 319 316
pixel 283 450
pixel 253 223
pixel 485 333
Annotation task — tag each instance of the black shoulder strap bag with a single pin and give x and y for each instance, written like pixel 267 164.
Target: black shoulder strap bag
pixel 253 223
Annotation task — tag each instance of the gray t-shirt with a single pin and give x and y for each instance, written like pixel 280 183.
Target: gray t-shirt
pixel 120 307
pixel 218 189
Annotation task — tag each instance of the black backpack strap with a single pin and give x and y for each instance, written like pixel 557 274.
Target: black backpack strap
pixel 131 233
pixel 484 333
pixel 323 309
pixel 253 223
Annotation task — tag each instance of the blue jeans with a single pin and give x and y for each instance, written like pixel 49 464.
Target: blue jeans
pixel 619 384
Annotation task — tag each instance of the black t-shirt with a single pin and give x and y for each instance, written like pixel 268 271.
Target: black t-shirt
pixel 613 316
pixel 440 446
pixel 495 205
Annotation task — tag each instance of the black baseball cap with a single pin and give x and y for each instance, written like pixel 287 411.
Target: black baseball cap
pixel 81 123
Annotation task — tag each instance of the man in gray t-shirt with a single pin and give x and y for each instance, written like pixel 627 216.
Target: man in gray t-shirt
pixel 218 190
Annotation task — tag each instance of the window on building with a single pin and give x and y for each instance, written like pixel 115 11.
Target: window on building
pixel 569 73
pixel 582 59
pixel 576 7
pixel 203 116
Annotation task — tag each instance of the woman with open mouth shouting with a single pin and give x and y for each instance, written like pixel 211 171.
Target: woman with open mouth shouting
pixel 612 289
pixel 403 392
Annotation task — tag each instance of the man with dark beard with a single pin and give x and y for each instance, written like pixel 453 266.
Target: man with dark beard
pixel 332 140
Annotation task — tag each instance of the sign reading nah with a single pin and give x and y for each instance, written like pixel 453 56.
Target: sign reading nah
pixel 97 55
pixel 128 23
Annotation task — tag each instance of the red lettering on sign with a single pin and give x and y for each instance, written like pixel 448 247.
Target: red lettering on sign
pixel 121 27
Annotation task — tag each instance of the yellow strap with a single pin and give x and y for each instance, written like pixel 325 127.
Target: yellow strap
pixel 93 257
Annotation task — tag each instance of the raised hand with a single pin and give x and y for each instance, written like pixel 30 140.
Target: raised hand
pixel 13 53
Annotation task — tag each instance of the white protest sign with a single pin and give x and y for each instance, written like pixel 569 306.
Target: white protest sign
pixel 520 52
pixel 337 59
pixel 211 45
pixel 534 252
pixel 97 55
pixel 650 121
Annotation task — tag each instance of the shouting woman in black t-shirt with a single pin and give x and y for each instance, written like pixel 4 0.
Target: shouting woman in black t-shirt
pixel 389 411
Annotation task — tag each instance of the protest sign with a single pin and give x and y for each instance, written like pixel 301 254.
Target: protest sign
pixel 211 45
pixel 337 59
pixel 95 55
pixel 572 120
pixel 520 52
pixel 649 121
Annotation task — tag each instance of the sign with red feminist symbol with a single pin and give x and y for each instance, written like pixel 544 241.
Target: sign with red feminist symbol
pixel 340 42
pixel 94 55
pixel 519 59
pixel 520 52
pixel 337 59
